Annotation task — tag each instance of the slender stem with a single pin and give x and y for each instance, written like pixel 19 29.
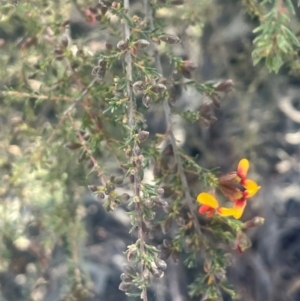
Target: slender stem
pixel 87 149
pixel 132 125
pixel 39 96
pixel 167 112
pixel 69 109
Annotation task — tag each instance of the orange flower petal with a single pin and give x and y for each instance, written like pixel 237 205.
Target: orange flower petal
pixel 203 209
pixel 251 186
pixel 210 212
pixel 243 168
pixel 239 207
pixel 236 211
pixel 205 198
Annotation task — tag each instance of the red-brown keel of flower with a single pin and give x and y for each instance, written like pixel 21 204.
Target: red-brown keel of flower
pixel 208 211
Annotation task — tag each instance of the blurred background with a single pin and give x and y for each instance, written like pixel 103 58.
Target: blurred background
pixel 44 205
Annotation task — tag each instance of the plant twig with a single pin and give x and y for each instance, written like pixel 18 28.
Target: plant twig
pixel 132 125
pixel 87 149
pixel 39 96
pixel 70 108
pixel 167 112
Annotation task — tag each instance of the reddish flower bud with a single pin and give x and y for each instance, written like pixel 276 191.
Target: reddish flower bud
pixel 224 85
pixel 188 66
pixel 254 222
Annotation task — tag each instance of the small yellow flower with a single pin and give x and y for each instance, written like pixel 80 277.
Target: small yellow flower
pixel 242 171
pixel 210 205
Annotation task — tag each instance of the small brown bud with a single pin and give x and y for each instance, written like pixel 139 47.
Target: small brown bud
pixel 108 46
pixel 79 51
pixel 148 203
pixel 64 41
pixel 115 5
pixel 125 197
pixel 155 40
pixel 158 201
pixel 186 74
pixel 102 63
pixel 224 85
pixel 139 160
pixel 124 286
pixel 101 196
pixel 188 66
pixel 157 273
pixel 205 108
pixel 159 88
pixel 160 191
pixel 142 44
pixel 143 136
pixel 125 277
pixel 176 75
pixel 139 86
pixel 167 244
pixel 111 187
pixel 161 264
pixel 170 39
pixel 220 275
pixel 254 222
pixel 137 150
pixel 93 188
pixel 58 51
pixel 16 120
pixel 73 145
pixel 146 100
pixel 93 10
pixel 122 45
pixel 99 71
pixel 118 180
pixel 167 209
